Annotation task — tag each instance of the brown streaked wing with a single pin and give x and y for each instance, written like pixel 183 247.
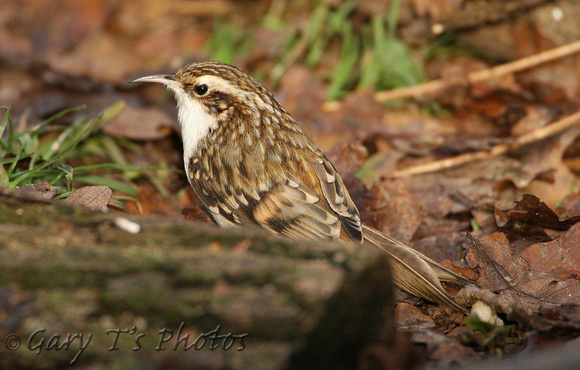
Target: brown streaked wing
pixel 339 199
pixel 294 210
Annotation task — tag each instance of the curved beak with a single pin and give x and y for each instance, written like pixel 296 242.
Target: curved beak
pixel 167 80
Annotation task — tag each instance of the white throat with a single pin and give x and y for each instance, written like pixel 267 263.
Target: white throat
pixel 195 123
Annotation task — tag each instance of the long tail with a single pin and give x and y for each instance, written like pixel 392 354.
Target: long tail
pixel 415 272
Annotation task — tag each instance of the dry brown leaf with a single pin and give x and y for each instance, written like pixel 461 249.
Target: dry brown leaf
pixel 543 157
pixel 37 191
pixel 37 28
pixel 94 197
pixel 531 210
pixel 439 10
pixel 409 317
pixel 191 207
pixel 14 84
pixel 150 201
pixel 535 118
pixel 569 206
pixel 301 93
pixel 560 257
pixel 444 242
pixel 446 351
pixel 347 157
pixel 501 269
pixel 394 211
pixel 99 57
pixel 358 116
pixel 140 124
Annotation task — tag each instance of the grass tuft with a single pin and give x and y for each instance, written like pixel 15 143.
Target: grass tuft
pixel 41 153
pixel 368 57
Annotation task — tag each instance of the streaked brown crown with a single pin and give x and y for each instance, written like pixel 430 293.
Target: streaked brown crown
pixel 189 73
pixel 242 87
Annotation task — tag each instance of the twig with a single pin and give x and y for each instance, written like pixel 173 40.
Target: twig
pixel 478 76
pixel 498 150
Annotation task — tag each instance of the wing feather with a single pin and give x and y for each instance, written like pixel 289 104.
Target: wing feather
pixel 295 210
pixel 339 199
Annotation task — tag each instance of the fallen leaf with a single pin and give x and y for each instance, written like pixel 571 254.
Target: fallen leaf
pixel 446 243
pixel 140 124
pixel 150 201
pixel 532 211
pixel 191 207
pixel 501 269
pixel 93 197
pixel 35 29
pixel 394 211
pixel 347 157
pixel 37 191
pixel 100 57
pixel 446 351
pixel 569 206
pixel 560 257
pixel 409 317
pixel 358 116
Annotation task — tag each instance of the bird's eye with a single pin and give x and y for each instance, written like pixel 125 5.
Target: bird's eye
pixel 200 89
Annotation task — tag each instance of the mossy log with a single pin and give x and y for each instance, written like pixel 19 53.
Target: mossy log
pixel 179 293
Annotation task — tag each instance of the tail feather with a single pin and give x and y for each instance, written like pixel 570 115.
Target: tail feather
pixel 415 272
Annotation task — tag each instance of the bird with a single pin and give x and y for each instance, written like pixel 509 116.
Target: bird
pixel 251 164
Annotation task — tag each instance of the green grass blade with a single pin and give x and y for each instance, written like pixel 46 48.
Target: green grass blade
pixel 114 152
pixel 83 132
pixel 392 18
pixel 50 150
pixel 113 184
pixel 79 131
pixel 40 127
pixel 4 179
pixel 339 17
pixel 273 18
pixel 316 51
pixel 368 60
pixel 16 158
pixel 66 171
pixel 348 59
pixel 315 25
pixel 123 167
pixel 35 174
pixel 4 122
pixel 64 195
pixel 10 144
pixel 109 113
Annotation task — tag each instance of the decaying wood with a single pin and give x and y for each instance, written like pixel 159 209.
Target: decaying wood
pixel 71 270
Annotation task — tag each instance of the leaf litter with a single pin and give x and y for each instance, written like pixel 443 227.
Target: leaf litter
pixel 519 199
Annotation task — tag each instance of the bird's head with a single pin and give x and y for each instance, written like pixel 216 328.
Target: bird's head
pixel 211 94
